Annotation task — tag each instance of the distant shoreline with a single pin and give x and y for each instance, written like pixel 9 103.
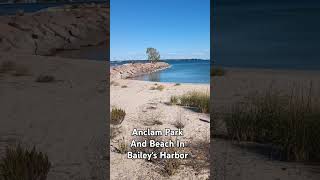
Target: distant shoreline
pixel 141 60
pixel 276 69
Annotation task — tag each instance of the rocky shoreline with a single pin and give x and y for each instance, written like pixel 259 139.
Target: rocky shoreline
pixel 54 29
pixel 131 70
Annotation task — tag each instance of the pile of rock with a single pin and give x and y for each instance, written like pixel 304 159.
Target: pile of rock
pixel 135 69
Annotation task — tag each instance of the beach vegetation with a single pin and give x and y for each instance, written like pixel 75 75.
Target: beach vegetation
pixel 218 71
pixel 177 84
pixel 20 163
pixel 288 122
pixel 194 99
pixel 153 54
pixel 124 86
pixel 117 115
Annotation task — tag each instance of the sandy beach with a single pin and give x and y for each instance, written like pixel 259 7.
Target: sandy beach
pixel 63 118
pixel 63 114
pixel 232 160
pixel 141 104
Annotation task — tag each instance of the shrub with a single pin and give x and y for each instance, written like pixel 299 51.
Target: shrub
pixel 288 122
pixel 45 78
pixel 117 116
pixel 20 163
pixel 177 84
pixel 217 71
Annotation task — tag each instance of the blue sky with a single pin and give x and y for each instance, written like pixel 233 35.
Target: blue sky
pixel 176 28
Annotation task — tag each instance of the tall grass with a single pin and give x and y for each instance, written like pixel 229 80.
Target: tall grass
pixel 290 123
pixel 23 164
pixel 195 99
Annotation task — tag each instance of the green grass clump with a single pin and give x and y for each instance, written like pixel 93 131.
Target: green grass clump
pixel 117 116
pixel 217 71
pixel 199 100
pixel 288 122
pixel 23 164
pixel 177 84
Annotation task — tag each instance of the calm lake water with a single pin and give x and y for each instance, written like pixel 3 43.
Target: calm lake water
pixel 267 34
pixel 181 71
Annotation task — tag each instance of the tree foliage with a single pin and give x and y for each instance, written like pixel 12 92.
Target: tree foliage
pixel 153 54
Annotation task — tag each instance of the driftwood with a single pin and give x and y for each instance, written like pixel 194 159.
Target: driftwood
pixel 204 120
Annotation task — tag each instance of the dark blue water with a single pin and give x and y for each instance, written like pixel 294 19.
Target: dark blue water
pixel 10 9
pixel 267 34
pixel 181 71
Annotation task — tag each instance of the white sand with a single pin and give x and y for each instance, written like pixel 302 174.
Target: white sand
pixel 136 100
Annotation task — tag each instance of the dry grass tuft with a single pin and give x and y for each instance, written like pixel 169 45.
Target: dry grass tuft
pixel 117 116
pixel 20 163
pixel 290 123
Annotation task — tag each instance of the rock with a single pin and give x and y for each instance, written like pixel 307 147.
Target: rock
pixel 135 69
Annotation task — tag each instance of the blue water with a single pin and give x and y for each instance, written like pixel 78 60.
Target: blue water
pixel 267 34
pixel 181 71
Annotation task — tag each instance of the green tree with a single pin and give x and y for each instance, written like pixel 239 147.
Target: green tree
pixel 153 54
